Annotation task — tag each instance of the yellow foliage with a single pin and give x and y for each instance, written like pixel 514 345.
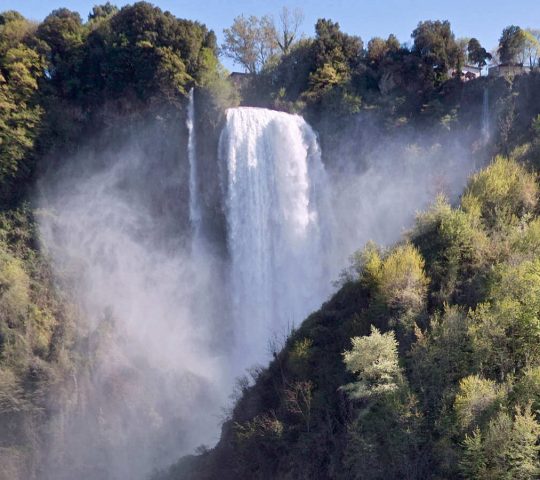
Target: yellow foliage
pixel 14 289
pixel 402 282
pixel 42 324
pixel 501 192
pixel 476 397
pixel 300 354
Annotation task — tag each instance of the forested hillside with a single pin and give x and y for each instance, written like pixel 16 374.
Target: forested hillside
pixel 424 364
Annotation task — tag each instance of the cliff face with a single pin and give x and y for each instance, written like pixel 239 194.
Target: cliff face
pixel 36 340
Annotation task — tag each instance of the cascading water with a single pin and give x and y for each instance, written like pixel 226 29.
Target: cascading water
pixel 275 190
pixel 194 204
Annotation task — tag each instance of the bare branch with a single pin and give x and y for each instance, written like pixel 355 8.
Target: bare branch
pixel 289 25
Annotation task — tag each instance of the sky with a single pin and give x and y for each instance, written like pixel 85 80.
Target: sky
pixel 483 19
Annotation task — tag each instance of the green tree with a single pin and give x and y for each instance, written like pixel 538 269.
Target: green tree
pixel 62 35
pixel 148 52
pixel 384 438
pixel 511 447
pixel 402 283
pixel 454 249
pixel 476 400
pixel 377 49
pixel 477 54
pixel 440 358
pixel 102 11
pixel 473 463
pixel 526 389
pixel 332 46
pixel 506 328
pixel 21 68
pixel 436 45
pixel 335 55
pixel 511 44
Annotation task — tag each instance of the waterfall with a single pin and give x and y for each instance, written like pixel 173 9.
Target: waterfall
pixel 275 189
pixel 485 115
pixel 194 204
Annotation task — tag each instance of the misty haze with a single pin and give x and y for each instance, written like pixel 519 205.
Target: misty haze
pixel 263 250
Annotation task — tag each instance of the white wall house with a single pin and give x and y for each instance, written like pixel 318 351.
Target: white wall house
pixel 468 72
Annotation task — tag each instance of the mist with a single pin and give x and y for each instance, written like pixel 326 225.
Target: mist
pixel 377 195
pixel 153 379
pixel 158 307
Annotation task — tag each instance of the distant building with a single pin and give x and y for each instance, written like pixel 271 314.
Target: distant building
pixel 467 72
pixel 470 72
pixel 508 70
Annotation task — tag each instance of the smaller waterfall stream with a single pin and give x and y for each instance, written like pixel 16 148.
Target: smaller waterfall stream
pixel 194 204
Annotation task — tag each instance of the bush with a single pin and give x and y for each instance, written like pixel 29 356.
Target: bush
pixel 14 290
pixel 505 329
pixel 453 247
pixel 374 360
pixel 475 401
pixel 501 193
pixel 402 281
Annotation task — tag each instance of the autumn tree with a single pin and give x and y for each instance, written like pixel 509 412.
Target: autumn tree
pixel 531 48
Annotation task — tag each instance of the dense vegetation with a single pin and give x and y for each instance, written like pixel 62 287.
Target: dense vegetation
pixel 425 363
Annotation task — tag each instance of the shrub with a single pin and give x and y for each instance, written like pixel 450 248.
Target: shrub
pixel 475 401
pixel 374 360
pixel 501 193
pixel 453 247
pixel 402 282
pixel 505 329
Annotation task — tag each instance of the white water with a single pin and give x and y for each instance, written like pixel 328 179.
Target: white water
pixel 275 189
pixel 194 204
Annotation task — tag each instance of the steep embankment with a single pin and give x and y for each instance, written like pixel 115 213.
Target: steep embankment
pixel 36 340
pixel 457 391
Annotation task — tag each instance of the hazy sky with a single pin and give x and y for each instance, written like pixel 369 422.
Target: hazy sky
pixel 483 19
